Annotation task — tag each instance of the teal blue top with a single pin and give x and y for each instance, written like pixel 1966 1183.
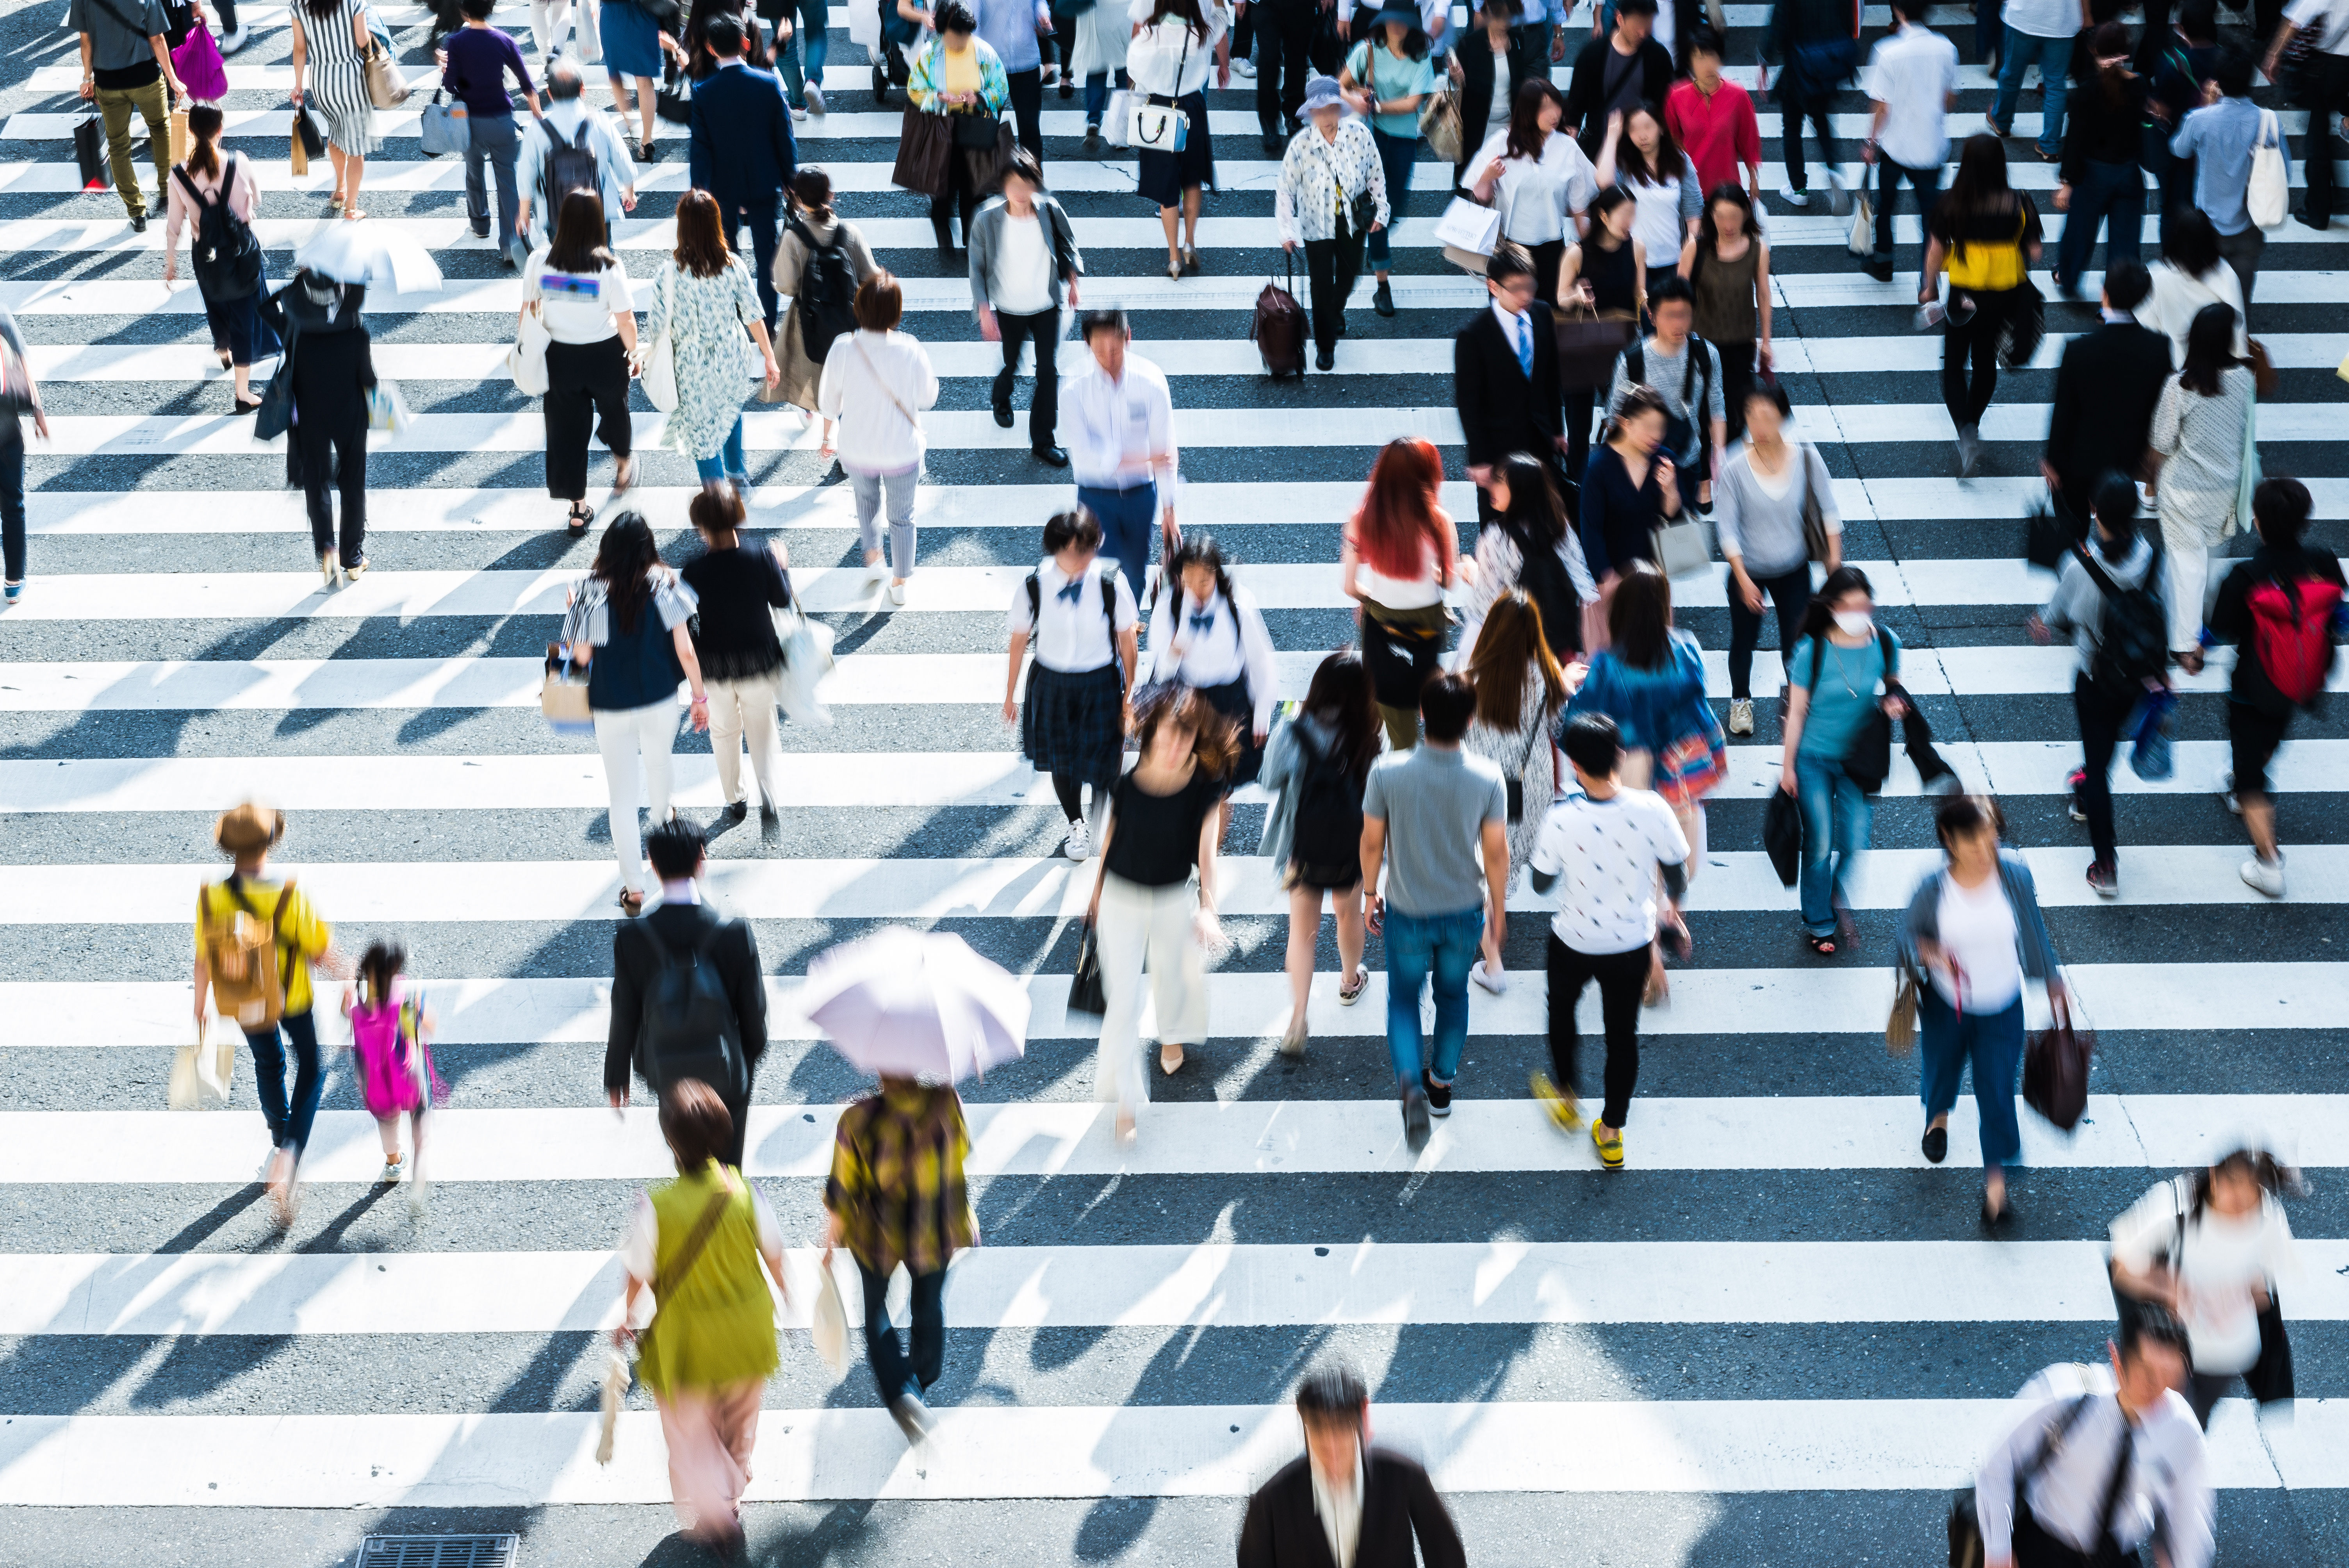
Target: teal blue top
pixel 1850 681
pixel 1389 75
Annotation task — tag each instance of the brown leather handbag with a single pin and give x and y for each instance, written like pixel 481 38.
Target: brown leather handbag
pixel 925 142
pixel 1588 343
pixel 2056 1070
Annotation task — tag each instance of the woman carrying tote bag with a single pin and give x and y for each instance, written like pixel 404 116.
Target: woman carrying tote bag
pixel 705 310
pixel 575 300
pixel 1175 43
pixel 958 75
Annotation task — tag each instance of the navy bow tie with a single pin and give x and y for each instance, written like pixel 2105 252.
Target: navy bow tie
pixel 1073 590
pixel 1202 620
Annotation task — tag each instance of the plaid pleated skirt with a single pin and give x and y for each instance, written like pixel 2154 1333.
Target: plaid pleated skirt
pixel 1073 722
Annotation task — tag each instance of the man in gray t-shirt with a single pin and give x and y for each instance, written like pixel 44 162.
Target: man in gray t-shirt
pixel 126 63
pixel 1437 819
pixel 1692 394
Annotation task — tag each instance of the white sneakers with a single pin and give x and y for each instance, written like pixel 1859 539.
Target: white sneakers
pixel 1079 845
pixel 1740 716
pixel 1795 197
pixel 2266 876
pixel 814 95
pixel 1243 68
pixel 1495 983
pixel 897 595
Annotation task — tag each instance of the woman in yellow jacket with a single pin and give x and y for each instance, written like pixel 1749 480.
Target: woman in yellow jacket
pixel 697 1244
pixel 1986 235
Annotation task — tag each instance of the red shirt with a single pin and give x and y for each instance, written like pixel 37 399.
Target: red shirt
pixel 1717 134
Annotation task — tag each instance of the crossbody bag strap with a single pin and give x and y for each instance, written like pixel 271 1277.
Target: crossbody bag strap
pixel 697 1240
pixel 895 400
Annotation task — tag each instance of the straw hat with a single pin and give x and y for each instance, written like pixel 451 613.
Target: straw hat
pixel 249 829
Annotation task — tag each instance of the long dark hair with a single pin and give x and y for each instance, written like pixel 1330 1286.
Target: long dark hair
pixel 2110 39
pixel 204 129
pixel 1603 203
pixel 1533 503
pixel 1196 550
pixel 1342 697
pixel 1639 618
pixel 625 559
pixel 2271 1175
pixel 578 244
pixel 1510 649
pixel 2210 349
pixel 378 967
pixel 1630 162
pixel 1188 10
pixel 2191 241
pixel 701 249
pixel 1819 615
pixel 1214 744
pixel 1415 42
pixel 1525 134
pixel 1708 229
pixel 1980 187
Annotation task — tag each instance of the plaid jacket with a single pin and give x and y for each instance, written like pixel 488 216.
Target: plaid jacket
pixel 897 1182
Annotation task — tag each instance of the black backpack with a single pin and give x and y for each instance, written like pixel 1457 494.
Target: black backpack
pixel 570 166
pixel 1327 835
pixel 1109 605
pixel 827 292
pixel 687 1028
pixel 1677 431
pixel 226 251
pixel 2133 640
pixel 1544 578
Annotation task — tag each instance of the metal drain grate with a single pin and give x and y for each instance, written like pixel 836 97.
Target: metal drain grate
pixel 439 1551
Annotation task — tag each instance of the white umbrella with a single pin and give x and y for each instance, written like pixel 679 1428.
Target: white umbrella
pixel 371 254
pixel 916 1003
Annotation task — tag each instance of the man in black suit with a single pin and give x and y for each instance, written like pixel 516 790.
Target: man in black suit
pixel 2105 390
pixel 678 925
pixel 1346 1500
pixel 1615 74
pixel 1505 375
pixel 741 150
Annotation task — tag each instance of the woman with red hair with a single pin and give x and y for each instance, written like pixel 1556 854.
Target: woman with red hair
pixel 1398 561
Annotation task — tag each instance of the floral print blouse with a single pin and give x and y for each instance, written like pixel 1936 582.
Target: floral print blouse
pixel 707 321
pixel 1316 174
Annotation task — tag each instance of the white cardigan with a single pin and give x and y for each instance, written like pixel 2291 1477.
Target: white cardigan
pixel 876 384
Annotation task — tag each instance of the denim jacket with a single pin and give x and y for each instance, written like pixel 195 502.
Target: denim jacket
pixel 1923 922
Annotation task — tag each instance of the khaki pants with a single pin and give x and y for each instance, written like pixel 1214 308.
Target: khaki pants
pixel 114 105
pixel 711 1433
pixel 739 709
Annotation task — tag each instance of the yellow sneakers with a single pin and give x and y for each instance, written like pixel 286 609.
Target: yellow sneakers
pixel 1563 1109
pixel 1611 1149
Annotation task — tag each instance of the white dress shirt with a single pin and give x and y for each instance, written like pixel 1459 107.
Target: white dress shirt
pixel 1165 48
pixel 2220 1259
pixel 1536 195
pixel 1229 643
pixel 2168 1484
pixel 1340 1510
pixel 1121 433
pixel 1075 635
pixel 1912 73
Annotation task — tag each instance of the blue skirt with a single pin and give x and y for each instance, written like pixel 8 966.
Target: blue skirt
pixel 237 326
pixel 631 40
pixel 1165 176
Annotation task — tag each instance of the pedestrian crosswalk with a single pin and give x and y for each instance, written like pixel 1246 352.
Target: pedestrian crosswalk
pixel 1779 1323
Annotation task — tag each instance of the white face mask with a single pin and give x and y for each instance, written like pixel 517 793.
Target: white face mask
pixel 1853 623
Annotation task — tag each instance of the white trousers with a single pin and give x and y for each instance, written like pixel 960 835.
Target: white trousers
pixel 2185 569
pixel 551 19
pixel 1152 924
pixel 741 708
pixel 623 735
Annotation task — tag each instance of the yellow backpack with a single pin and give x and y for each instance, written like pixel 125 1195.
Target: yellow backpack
pixel 241 952
pixel 1988 268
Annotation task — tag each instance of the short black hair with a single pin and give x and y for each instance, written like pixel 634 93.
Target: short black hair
pixel 2232 72
pixel 954 16
pixel 2149 1324
pixel 674 848
pixel 1592 743
pixel 1911 10
pixel 1509 261
pixel 2198 18
pixel 1023 163
pixel 723 34
pixel 1705 41
pixel 1332 1392
pixel 1635 7
pixel 1103 320
pixel 1671 288
pixel 1076 526
pixel 696 1124
pixel 2115 503
pixel 478 10
pixel 2126 283
pixel 1773 389
pixel 1446 702
pixel 1963 816
pixel 2282 508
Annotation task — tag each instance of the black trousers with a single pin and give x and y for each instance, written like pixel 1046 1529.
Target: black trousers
pixel 1042 329
pixel 1792 109
pixel 1580 406
pixel 961 194
pixel 1736 380
pixel 2330 75
pixel 1973 343
pixel 1789 593
pixel 333 447
pixel 1924 183
pixel 1027 108
pixel 2034 1548
pixel 1284 31
pixel 1330 268
pixel 2101 717
pixel 11 499
pixel 1548 257
pixel 765 224
pixel 740 1109
pixel 586 389
pixel 1621 977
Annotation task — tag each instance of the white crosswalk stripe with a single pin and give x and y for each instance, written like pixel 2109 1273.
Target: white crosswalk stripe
pixel 1135 1324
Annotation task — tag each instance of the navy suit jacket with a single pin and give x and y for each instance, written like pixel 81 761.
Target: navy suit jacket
pixel 742 151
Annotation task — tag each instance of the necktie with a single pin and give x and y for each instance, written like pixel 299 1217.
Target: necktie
pixel 1526 346
pixel 1073 590
pixel 1202 620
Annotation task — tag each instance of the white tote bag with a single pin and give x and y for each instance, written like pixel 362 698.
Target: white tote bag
pixel 807 660
pixel 2269 197
pixel 1469 233
pixel 526 360
pixel 1117 123
pixel 660 360
pixel 201 1072
pixel 864 26
pixel 828 1323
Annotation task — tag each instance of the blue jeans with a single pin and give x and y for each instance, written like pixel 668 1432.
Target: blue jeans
pixel 1835 819
pixel 2054 57
pixel 812 43
pixel 1097 96
pixel 1948 1039
pixel 2108 192
pixel 1128 519
pixel 289 1126
pixel 1445 944
pixel 893 1369
pixel 728 463
pixel 1395 160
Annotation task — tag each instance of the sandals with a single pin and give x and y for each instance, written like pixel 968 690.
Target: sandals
pixel 580 518
pixel 1350 995
pixel 1823 946
pixel 632 902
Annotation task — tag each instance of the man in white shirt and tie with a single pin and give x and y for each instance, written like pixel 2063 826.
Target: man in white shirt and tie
pixel 1346 1502
pixel 1505 373
pixel 1120 422
pixel 2104 1462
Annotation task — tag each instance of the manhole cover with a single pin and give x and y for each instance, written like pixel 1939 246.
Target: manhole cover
pixel 439 1551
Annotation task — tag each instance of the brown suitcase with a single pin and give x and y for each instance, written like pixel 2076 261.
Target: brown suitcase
pixel 1278 330
pixel 925 142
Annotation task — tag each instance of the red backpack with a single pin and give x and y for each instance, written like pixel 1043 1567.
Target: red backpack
pixel 2291 634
